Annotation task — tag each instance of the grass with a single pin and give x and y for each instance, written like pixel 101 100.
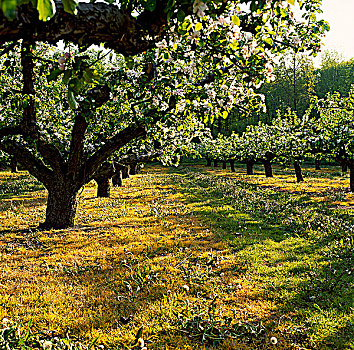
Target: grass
pixel 186 258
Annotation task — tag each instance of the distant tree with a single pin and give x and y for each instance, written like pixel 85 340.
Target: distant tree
pixel 293 86
pixel 335 75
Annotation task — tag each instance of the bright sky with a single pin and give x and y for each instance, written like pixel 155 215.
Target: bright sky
pixel 340 16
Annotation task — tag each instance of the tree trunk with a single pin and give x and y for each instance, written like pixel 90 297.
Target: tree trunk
pixel 61 206
pixel 13 165
pixel 249 164
pixel 117 178
pixel 103 186
pixel 298 172
pixel 208 161
pixel 215 163
pixel 133 168
pixel 224 164
pixel 232 165
pixel 317 164
pixel 125 172
pixel 267 168
pixel 351 169
pixel 344 167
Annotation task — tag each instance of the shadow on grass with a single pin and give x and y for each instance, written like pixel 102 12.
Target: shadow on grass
pixel 296 249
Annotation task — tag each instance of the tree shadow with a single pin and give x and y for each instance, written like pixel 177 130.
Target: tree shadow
pixel 296 268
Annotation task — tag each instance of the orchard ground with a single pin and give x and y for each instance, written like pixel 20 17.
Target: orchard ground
pixel 188 256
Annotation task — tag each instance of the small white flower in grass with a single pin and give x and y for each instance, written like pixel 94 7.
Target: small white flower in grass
pixel 185 287
pixel 6 322
pixel 47 345
pixel 273 340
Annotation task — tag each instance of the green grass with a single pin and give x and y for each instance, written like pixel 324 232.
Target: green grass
pixel 186 258
pixel 297 251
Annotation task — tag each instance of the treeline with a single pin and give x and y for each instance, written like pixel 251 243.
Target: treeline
pixel 297 82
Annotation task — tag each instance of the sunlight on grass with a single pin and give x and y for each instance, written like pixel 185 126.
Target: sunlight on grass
pixel 193 258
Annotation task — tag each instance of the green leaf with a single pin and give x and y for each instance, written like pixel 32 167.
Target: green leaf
pixel 181 15
pixel 149 5
pixel 198 27
pixel 54 74
pixel 9 8
pixel 67 75
pixel 291 2
pixel 70 6
pixel 225 114
pixel 71 99
pixel 235 20
pixel 129 62
pixel 46 9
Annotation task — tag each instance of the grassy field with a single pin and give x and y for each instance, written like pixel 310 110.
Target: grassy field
pixel 185 258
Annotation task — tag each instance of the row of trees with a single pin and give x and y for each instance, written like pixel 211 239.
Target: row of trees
pixel 325 130
pixel 63 114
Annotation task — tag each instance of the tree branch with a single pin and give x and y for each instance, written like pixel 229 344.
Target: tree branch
pixel 28 161
pixel 113 144
pixel 94 23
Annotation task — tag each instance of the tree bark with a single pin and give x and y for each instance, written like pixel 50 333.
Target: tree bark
pixel 267 168
pixel 95 23
pixel 133 168
pixel 215 163
pixel 103 186
pixel 351 169
pixel 298 172
pixel 117 178
pixel 208 161
pixel 224 164
pixel 61 206
pixel 317 164
pixel 249 165
pixel 13 165
pixel 125 172
pixel 232 165
pixel 344 167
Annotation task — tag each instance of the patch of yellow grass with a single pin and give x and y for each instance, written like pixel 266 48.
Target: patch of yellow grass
pixel 76 280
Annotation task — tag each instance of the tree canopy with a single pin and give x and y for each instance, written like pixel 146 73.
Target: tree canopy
pixel 170 62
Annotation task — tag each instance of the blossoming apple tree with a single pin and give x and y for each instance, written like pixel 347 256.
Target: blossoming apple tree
pixel 173 59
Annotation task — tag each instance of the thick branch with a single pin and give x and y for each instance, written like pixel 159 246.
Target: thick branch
pixel 94 23
pixel 10 131
pixel 113 144
pixel 27 160
pixel 77 144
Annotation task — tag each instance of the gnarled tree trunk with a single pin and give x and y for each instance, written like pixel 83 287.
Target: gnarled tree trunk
pixel 224 164
pixel 232 165
pixel 215 163
pixel 208 161
pixel 317 164
pixel 61 205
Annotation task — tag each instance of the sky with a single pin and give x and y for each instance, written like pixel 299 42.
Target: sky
pixel 340 16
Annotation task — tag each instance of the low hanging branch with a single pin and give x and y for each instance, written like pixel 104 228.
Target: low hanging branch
pixel 94 23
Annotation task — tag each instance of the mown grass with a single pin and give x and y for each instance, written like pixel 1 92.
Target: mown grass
pixel 188 256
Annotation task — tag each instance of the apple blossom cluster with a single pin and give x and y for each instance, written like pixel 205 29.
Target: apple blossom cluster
pixel 62 60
